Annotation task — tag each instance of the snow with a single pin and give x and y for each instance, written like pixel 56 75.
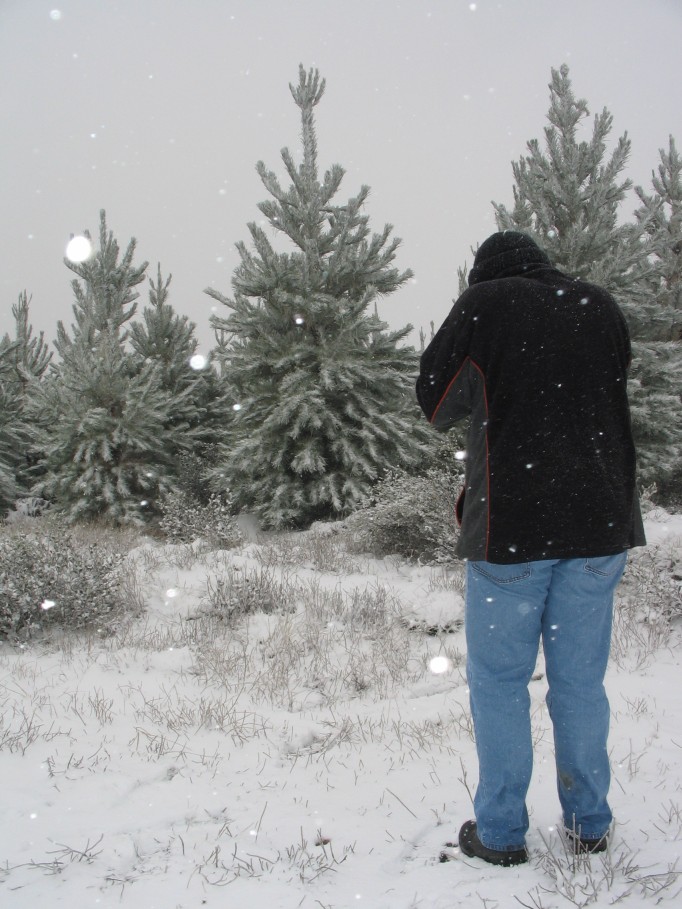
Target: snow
pixel 308 757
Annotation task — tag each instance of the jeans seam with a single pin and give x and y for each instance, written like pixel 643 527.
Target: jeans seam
pixel 602 574
pixel 502 847
pixel 492 577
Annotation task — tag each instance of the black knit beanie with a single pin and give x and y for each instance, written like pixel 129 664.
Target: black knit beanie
pixel 506 252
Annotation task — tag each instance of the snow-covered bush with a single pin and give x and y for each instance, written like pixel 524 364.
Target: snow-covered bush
pixel 653 580
pixel 239 593
pixel 648 603
pixel 48 577
pixel 28 507
pixel 322 548
pixel 409 515
pixel 185 519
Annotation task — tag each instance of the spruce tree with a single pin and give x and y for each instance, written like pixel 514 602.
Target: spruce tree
pixel 321 389
pixel 107 445
pixel 568 196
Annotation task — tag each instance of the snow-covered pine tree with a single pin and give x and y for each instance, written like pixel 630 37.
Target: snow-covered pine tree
pixel 322 391
pixel 106 441
pixel 569 197
pixel 659 388
pixel 11 436
pixel 107 454
pixel 31 355
pixel 23 361
pixel 660 214
pixel 168 339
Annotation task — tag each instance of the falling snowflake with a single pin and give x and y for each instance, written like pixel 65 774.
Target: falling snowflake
pixel 198 362
pixel 78 249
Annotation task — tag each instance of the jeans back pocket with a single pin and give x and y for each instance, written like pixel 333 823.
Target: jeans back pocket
pixel 503 574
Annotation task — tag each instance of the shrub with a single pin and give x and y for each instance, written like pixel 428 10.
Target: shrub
pixel 648 605
pixel 322 548
pixel 48 577
pixel 185 519
pixel 412 516
pixel 240 593
pixel 29 507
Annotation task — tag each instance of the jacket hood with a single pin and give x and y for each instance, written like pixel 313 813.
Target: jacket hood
pixel 504 254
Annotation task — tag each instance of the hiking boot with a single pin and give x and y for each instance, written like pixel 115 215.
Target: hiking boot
pixel 472 847
pixel 586 845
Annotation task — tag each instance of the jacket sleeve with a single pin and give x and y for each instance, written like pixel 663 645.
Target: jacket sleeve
pixel 444 386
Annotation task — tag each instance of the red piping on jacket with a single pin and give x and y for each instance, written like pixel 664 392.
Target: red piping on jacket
pixel 487 451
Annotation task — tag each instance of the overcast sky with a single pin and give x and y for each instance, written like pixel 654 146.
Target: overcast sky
pixel 158 110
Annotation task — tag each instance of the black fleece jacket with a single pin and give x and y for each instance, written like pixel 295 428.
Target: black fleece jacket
pixel 538 361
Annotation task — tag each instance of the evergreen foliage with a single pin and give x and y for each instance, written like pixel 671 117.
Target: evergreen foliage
pixel 413 514
pixel 321 390
pixel 659 375
pixel 23 362
pixel 105 417
pixel 660 215
pixel 106 454
pixel 168 340
pixel 11 438
pixel 105 295
pixel 568 197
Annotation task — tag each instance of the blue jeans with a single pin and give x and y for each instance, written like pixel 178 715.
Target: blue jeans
pixel 569 604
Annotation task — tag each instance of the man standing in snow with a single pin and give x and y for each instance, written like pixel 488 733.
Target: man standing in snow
pixel 538 361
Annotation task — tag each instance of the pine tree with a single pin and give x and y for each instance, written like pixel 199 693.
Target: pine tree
pixel 107 444
pixel 11 436
pixel 23 362
pixel 195 414
pixel 657 402
pixel 105 299
pixel 321 390
pixel 31 355
pixel 167 339
pixel 660 215
pixel 106 455
pixel 569 197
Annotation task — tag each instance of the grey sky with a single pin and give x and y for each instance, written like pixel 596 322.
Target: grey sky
pixel 157 111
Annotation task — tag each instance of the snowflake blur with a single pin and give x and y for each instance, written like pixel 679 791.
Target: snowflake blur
pixel 78 249
pixel 198 362
pixel 439 665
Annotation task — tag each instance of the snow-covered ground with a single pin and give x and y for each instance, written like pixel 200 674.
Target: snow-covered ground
pixel 314 755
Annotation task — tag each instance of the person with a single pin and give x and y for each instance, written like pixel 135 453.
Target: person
pixel 537 360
